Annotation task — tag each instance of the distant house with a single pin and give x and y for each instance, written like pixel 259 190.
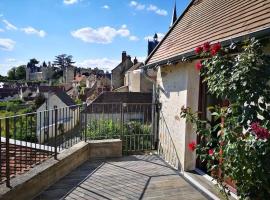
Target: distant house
pixel 7 94
pixel 67 112
pixel 135 81
pixel 118 73
pixel 174 59
pixel 29 93
pixel 39 73
pixel 95 85
pixel 126 106
pixel 152 44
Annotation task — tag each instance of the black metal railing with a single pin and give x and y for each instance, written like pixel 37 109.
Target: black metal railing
pixel 133 123
pixel 29 139
pixel 166 145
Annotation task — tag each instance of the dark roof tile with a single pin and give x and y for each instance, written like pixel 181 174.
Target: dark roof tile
pixel 212 20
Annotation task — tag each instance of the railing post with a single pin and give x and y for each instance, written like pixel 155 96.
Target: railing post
pixel 7 154
pixel 85 122
pixel 121 120
pixel 55 132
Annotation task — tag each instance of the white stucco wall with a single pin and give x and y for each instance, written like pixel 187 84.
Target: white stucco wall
pixel 66 116
pixel 179 86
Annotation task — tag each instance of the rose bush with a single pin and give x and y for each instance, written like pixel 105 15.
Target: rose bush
pixel 236 142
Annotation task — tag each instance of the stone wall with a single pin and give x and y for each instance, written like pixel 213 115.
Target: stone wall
pixel 30 184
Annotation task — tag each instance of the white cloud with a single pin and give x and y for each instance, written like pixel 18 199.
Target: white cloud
pixel 102 63
pixel 106 7
pixel 133 38
pixel 124 26
pixel 32 31
pixel 136 5
pixel 157 10
pixel 9 26
pixel 10 60
pixel 162 12
pixel 150 37
pixel 70 2
pixel 152 7
pixel 101 35
pixel 7 44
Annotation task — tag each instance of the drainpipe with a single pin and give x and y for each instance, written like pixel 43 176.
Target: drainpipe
pixel 155 109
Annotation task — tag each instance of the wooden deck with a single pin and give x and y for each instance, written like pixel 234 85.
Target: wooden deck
pixel 131 177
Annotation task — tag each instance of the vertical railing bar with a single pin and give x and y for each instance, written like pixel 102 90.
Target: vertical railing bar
pixel 15 145
pixel 152 125
pixel 40 137
pixel 27 149
pixel 77 122
pixel 21 130
pixel 80 122
pixel 46 137
pixel 64 131
pixel 85 122
pixel 51 141
pixel 66 127
pixel 70 128
pixel 32 140
pixel 68 124
pixel 44 130
pixel 55 132
pixel 60 134
pixel 1 149
pixel 148 106
pixel 73 125
pixel 7 154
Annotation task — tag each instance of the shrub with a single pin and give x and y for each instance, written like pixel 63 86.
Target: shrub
pixel 237 144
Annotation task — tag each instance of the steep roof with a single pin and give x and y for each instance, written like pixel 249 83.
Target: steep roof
pixel 44 88
pixel 136 66
pixel 65 98
pixel 110 102
pixel 7 92
pixel 212 20
pixel 124 97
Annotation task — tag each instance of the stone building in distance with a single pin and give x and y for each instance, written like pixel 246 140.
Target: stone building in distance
pixel 118 73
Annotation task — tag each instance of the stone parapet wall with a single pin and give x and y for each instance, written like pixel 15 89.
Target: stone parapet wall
pixel 30 184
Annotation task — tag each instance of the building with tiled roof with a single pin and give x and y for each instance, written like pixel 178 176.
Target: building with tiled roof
pixel 225 21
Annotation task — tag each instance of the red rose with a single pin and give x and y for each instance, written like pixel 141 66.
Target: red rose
pixel 206 46
pixel 260 132
pixel 199 65
pixel 198 50
pixel 210 152
pixel 192 146
pixel 215 48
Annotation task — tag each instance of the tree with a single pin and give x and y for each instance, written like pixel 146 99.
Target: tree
pixel 32 63
pixel 39 100
pixel 20 72
pixel 12 73
pixel 44 64
pixel 63 61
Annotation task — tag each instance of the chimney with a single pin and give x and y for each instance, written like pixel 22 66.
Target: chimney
pixel 124 56
pixel 135 61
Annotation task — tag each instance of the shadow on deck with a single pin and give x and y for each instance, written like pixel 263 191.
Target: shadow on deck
pixel 131 177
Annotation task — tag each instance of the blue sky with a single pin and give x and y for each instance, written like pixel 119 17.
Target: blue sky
pixel 95 32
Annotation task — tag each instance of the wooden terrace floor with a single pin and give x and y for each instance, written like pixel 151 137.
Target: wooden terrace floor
pixel 131 177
